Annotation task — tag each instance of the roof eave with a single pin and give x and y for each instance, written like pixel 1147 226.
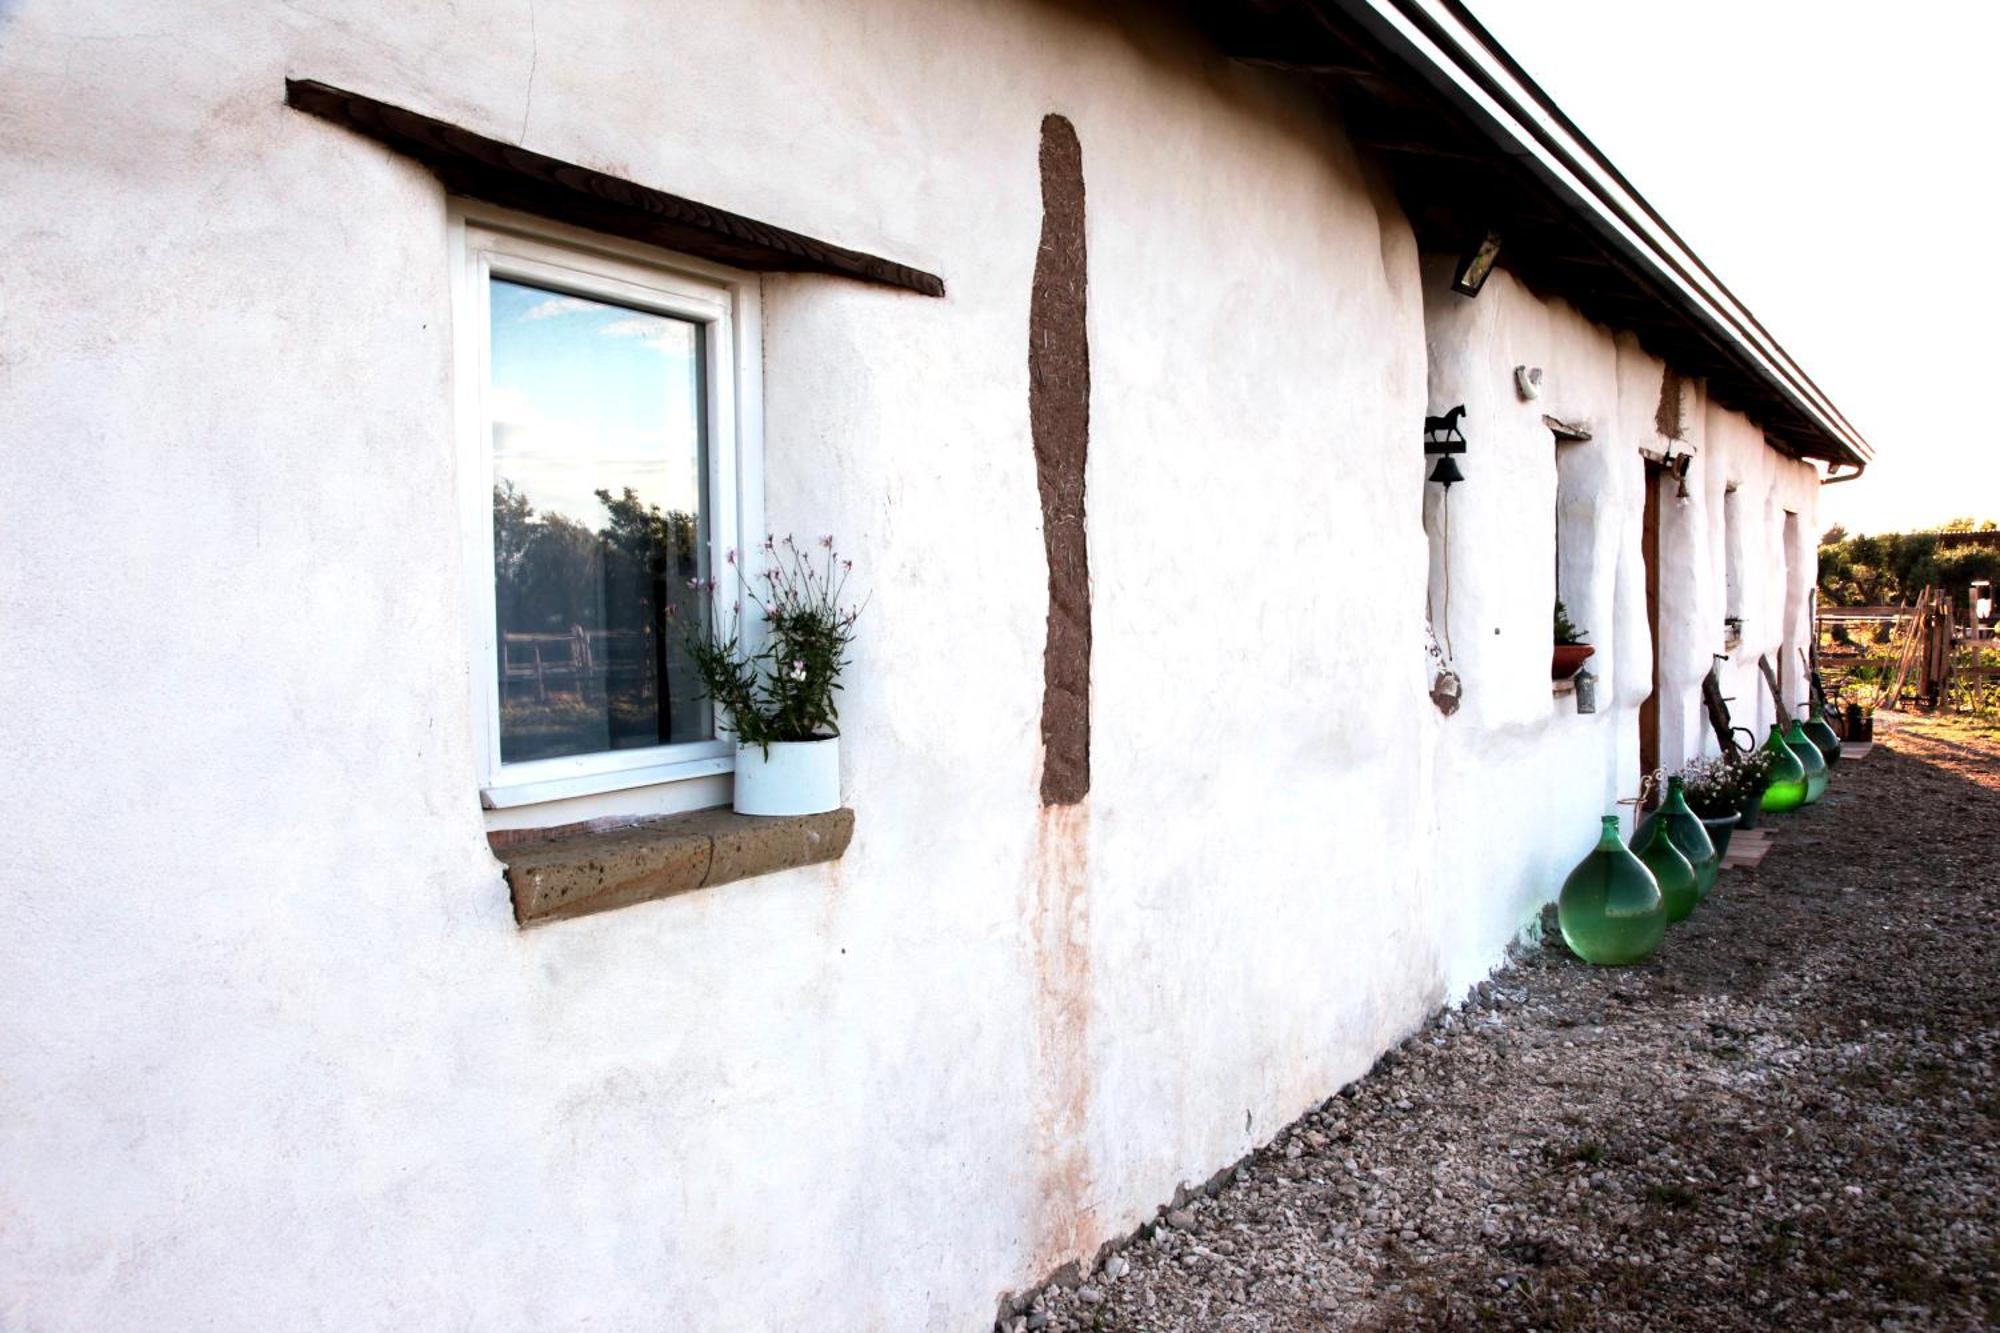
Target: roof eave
pixel 1440 42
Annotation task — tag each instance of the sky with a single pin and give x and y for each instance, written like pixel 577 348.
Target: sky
pixel 1836 165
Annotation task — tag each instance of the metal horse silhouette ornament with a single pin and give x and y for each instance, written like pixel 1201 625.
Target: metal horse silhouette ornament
pixel 1441 433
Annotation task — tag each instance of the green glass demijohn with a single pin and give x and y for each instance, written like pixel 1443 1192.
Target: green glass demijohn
pixel 1610 908
pixel 1689 834
pixel 1680 887
pixel 1809 758
pixel 1788 776
pixel 1824 738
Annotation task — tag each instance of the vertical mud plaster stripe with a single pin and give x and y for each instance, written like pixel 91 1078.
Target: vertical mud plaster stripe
pixel 1059 416
pixel 1669 417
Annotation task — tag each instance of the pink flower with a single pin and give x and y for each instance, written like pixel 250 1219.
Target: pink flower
pixel 731 557
pixel 846 566
pixel 827 541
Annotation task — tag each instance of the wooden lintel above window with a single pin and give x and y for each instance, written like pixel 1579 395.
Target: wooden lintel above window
pixel 1567 432
pixel 501 173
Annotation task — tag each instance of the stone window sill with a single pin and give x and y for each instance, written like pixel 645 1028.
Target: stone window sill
pixel 575 874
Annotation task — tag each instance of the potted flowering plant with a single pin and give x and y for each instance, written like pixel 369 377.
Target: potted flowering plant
pixel 1570 649
pixel 1719 790
pixel 779 697
pixel 1755 768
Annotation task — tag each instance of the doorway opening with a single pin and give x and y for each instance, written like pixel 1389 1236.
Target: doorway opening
pixel 1649 711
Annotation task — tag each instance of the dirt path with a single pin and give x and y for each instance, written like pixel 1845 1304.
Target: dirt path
pixel 1787 1119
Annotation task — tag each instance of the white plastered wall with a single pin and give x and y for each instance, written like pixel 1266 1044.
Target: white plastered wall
pixel 274 1052
pixel 1521 777
pixel 1776 587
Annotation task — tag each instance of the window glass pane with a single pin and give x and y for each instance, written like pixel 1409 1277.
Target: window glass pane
pixel 598 522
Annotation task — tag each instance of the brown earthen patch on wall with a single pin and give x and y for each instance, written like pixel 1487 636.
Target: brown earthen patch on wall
pixel 1669 418
pixel 1059 418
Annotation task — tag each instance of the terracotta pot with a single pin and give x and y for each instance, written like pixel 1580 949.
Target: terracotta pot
pixel 1569 659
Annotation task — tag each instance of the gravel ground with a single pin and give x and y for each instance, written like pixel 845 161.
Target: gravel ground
pixel 1786 1119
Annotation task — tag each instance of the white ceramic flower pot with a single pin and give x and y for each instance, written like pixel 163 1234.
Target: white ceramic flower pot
pixel 791 778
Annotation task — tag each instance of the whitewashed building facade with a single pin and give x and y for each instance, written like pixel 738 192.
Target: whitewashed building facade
pixel 291 288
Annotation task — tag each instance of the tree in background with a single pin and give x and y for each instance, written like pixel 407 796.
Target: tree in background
pixel 1894 568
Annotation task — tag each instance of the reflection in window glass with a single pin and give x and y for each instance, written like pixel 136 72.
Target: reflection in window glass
pixel 598 523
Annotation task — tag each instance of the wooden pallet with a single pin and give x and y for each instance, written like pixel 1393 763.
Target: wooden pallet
pixel 1852 750
pixel 1747 848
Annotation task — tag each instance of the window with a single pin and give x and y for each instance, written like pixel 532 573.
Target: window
pixel 1576 541
pixel 1732 559
pixel 608 462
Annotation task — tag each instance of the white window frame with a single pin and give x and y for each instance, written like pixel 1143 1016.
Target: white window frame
pixel 486 242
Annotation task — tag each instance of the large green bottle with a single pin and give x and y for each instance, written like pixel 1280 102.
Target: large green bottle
pixel 1788 776
pixel 1680 887
pixel 1824 738
pixel 1610 909
pixel 1689 834
pixel 1809 759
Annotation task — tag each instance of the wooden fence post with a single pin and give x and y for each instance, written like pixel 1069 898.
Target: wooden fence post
pixel 1911 642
